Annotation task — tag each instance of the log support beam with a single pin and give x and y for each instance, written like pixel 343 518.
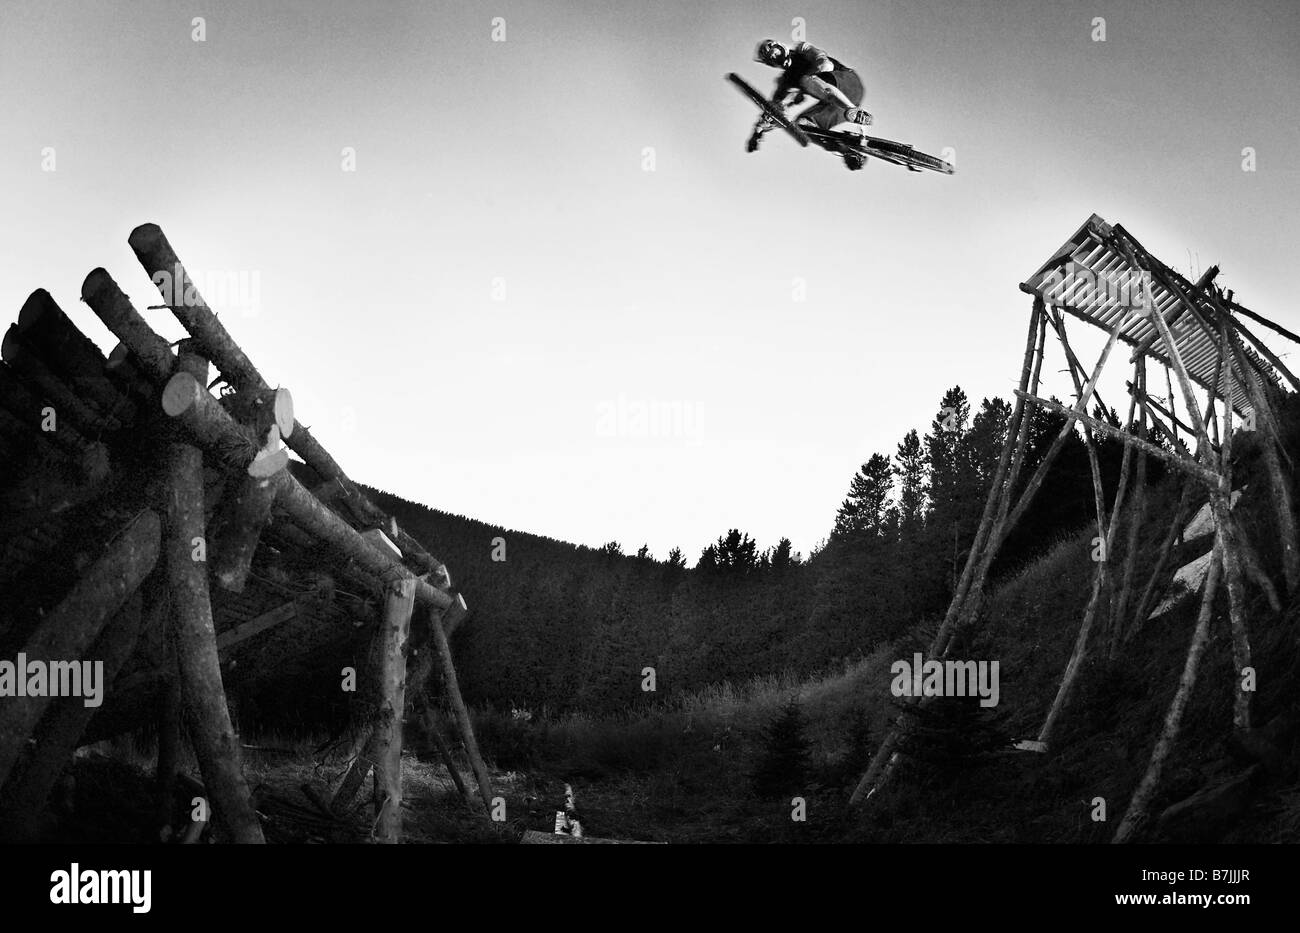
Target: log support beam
pixel 394 633
pixel 207 713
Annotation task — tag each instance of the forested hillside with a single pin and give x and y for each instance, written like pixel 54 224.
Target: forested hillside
pixel 566 627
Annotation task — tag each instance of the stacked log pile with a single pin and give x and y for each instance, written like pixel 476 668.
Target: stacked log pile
pixel 138 515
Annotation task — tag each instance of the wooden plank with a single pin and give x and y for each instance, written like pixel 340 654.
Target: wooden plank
pixel 246 630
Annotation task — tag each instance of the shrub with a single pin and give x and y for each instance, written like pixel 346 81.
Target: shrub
pixel 783 755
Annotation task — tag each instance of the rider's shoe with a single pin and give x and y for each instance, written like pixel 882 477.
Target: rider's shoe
pixel 858 116
pixel 754 139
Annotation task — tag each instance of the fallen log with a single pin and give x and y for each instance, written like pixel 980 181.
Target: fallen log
pixel 91 421
pixel 68 351
pixel 152 354
pixel 207 423
pixel 61 728
pixel 72 627
pixel 28 409
pixel 237 529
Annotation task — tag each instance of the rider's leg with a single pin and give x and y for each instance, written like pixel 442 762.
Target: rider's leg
pixel 840 90
pixel 825 91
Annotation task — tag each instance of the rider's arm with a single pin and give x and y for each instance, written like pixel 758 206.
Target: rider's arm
pixel 818 61
pixel 781 97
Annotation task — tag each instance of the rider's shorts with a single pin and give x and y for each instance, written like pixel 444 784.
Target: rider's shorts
pixel 829 114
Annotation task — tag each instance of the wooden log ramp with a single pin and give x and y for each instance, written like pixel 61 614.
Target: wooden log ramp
pixel 220 435
pixel 165 269
pixel 195 536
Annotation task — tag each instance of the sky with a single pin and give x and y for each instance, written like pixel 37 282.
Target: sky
pixel 513 261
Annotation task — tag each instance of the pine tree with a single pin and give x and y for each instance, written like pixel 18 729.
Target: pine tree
pixel 737 552
pixel 862 515
pixel 783 557
pixel 944 452
pixel 954 733
pixel 784 755
pixel 910 470
pixel 987 435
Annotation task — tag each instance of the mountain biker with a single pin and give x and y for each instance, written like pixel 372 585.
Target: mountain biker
pixel 807 70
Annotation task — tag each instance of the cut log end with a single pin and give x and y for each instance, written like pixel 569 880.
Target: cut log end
pixel 10 348
pixel 92 284
pixel 267 463
pixel 180 394
pixel 119 357
pixel 37 304
pixel 144 236
pixel 284 411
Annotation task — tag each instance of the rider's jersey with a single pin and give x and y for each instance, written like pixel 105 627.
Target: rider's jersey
pixel 805 60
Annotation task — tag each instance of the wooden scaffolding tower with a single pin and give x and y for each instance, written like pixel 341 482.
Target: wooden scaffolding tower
pixel 1105 277
pixel 145 417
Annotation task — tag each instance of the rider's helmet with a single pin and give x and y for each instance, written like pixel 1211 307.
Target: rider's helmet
pixel 771 52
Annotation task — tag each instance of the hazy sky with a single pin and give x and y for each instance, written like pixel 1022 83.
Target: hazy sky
pixel 463 318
